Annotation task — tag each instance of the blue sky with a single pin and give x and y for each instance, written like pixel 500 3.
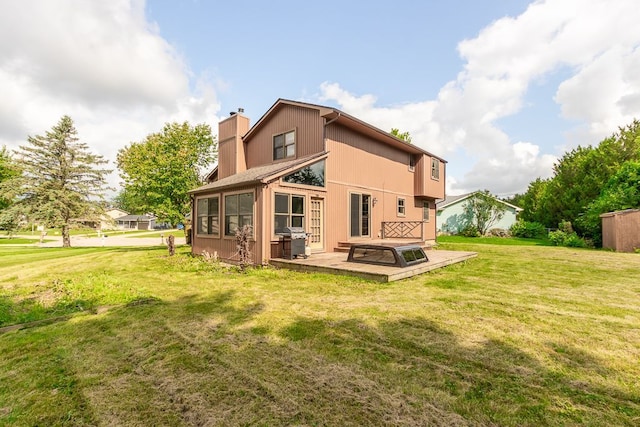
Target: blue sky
pixel 499 88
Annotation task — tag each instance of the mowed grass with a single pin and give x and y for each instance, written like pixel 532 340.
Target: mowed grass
pixel 520 335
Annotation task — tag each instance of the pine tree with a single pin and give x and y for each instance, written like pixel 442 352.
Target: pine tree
pixel 60 180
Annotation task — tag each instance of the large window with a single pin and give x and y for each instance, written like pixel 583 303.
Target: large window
pixel 311 175
pixel 435 168
pixel 289 212
pixel 208 216
pixel 284 145
pixel 238 212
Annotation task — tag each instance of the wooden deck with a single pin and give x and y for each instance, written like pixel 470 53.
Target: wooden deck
pixel 336 263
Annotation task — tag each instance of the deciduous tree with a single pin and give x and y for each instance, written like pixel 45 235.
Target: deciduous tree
pixel 405 136
pixel 159 171
pixel 483 210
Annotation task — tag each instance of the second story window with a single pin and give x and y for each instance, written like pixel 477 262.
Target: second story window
pixel 435 168
pixel 284 145
pixel 412 162
pixel 401 207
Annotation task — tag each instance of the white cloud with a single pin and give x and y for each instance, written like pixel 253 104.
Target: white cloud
pixel 103 64
pixel 595 40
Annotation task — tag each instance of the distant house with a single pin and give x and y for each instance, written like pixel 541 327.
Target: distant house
pixel 621 230
pixel 451 216
pixel 304 165
pixel 107 221
pixel 136 222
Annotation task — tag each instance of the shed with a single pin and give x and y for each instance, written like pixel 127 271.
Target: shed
pixel 621 230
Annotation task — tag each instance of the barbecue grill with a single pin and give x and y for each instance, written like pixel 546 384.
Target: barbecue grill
pixel 293 241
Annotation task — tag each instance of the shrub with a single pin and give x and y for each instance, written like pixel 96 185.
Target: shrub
pixel 528 230
pixel 469 231
pixel 562 238
pixel 498 232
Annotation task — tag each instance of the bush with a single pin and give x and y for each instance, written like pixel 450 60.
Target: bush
pixel 498 232
pixel 572 240
pixel 528 230
pixel 470 231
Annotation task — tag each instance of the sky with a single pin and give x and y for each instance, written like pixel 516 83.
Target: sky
pixel 499 88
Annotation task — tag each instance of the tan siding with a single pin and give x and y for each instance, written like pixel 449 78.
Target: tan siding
pixel 308 126
pixel 424 184
pixel 224 246
pixel 231 158
pixel 361 165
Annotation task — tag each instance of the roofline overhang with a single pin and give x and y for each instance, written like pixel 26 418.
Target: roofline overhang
pixel 265 180
pixel 334 115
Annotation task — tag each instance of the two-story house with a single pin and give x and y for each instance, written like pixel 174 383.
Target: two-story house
pixel 316 167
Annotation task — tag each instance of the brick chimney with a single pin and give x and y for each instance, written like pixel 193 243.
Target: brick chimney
pixel 231 156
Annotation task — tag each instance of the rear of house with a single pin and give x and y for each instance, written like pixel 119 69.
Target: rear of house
pixel 304 165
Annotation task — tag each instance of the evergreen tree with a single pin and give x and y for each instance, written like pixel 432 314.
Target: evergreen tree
pixel 60 180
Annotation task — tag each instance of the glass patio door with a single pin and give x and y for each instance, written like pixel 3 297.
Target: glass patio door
pixel 359 215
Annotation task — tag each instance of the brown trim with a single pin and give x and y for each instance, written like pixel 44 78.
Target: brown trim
pixel 195 218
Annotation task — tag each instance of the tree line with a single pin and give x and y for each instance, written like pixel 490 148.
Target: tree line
pixel 55 180
pixel 586 182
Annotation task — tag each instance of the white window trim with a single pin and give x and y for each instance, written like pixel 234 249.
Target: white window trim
pixel 437 169
pixel 403 206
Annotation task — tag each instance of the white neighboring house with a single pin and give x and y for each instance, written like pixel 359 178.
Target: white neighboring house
pixel 107 220
pixel 110 217
pixel 451 218
pixel 136 222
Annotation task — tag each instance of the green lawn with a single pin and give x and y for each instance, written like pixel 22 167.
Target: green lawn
pixel 520 335
pixel 165 233
pixel 18 241
pixel 494 240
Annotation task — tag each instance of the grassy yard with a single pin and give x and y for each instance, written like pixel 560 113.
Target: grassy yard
pixel 520 335
pixel 5 240
pixel 165 233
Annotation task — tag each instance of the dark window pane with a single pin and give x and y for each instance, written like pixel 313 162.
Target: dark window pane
pixel 297 205
pixel 354 215
pixel 231 204
pixel 213 206
pixel 246 203
pixel 230 225
pixel 282 203
pixel 281 221
pixel 297 221
pixel 278 141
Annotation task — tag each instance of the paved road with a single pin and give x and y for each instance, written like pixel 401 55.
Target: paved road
pixel 111 239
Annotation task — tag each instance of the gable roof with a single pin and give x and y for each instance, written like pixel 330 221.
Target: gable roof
pixel 260 174
pixel 452 200
pixel 340 117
